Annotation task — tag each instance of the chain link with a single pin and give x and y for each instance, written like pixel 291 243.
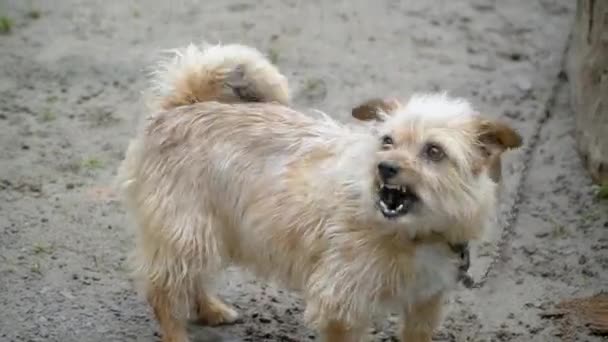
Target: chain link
pixel 510 218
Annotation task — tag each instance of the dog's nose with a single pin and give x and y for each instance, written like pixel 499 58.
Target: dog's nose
pixel 387 170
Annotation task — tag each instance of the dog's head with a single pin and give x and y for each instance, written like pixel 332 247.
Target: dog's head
pixel 436 162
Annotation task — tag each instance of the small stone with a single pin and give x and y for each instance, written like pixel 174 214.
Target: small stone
pixel 529 250
pixel 523 84
pixel 484 63
pixel 588 272
pixel 582 260
pixel 515 56
pixel 512 114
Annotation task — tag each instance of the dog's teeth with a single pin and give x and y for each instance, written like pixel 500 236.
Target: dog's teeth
pixel 384 206
pixel 399 207
pixel 403 189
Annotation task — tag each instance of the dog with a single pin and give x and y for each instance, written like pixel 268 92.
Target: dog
pixel 358 220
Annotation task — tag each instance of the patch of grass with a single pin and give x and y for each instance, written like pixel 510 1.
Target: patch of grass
pixel 314 89
pixel 590 216
pixel 36 268
pixel 39 248
pixel 602 192
pixel 313 83
pixel 48 116
pixel 103 118
pixel 71 166
pixel 136 13
pixel 33 14
pixel 92 163
pixel 52 99
pixel 273 55
pixel 6 24
pixel 121 268
pixel 559 230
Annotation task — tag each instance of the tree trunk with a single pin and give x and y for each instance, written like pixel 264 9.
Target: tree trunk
pixel 588 74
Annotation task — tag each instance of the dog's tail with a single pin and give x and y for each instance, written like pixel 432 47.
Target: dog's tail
pixel 224 73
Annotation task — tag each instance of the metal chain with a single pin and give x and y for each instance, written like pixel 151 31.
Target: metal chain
pixel 510 218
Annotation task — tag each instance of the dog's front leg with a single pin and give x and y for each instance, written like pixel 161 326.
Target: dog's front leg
pixel 421 319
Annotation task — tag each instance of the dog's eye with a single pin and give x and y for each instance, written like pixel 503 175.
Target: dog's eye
pixel 434 152
pixel 387 141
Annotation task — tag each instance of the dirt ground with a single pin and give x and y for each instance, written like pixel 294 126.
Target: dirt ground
pixel 71 73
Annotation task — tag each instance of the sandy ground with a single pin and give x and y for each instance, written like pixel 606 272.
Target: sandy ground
pixel 71 73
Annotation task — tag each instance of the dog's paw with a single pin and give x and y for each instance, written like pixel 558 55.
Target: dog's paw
pixel 215 312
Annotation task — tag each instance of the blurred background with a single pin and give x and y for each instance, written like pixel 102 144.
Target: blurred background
pixel 71 76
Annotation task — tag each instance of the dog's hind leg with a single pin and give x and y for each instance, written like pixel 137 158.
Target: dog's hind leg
pixel 167 281
pixel 173 264
pixel 169 271
pixel 209 309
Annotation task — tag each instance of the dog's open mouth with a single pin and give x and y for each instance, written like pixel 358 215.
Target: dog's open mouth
pixel 395 200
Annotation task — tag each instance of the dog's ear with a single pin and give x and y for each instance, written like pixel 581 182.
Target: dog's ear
pixel 497 136
pixel 375 109
pixel 494 138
